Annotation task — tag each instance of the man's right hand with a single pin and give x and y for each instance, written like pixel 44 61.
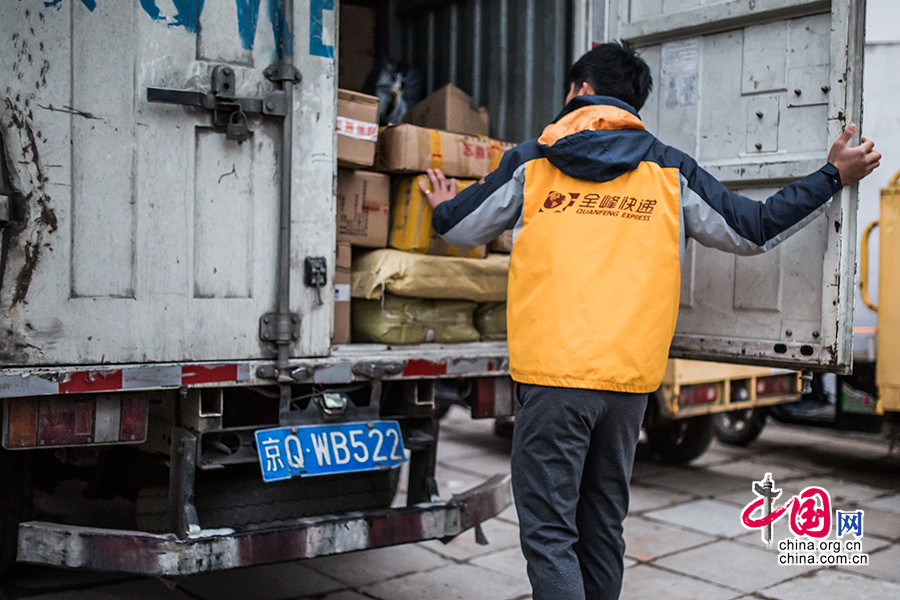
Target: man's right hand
pixel 853 163
pixel 442 189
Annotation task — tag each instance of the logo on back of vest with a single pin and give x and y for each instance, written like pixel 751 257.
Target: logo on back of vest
pixel 626 207
pixel 558 202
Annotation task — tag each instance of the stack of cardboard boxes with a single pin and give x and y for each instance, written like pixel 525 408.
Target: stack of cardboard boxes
pixel 363 197
pixel 379 203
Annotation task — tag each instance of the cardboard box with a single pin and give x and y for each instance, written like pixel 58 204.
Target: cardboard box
pixel 357 129
pixel 451 109
pixel 502 244
pixel 411 228
pixel 412 149
pixel 356 52
pixel 342 265
pixel 363 208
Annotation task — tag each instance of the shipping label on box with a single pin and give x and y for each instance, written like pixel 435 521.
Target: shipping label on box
pixel 363 208
pixel 411 214
pixel 411 149
pixel 357 129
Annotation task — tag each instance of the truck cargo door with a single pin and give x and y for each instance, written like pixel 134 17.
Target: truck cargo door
pixel 149 235
pixel 757 90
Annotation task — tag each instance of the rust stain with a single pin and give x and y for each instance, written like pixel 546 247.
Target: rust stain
pixel 23 280
pixel 39 218
pixel 13 348
pixel 70 111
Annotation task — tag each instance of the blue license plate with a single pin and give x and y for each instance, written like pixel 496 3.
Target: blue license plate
pixel 308 450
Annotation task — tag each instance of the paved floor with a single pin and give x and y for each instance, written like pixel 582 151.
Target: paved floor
pixel 684 536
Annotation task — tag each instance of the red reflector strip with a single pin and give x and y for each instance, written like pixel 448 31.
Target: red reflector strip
pixel 92 381
pixel 194 374
pixel 132 378
pixel 134 418
pixel 424 368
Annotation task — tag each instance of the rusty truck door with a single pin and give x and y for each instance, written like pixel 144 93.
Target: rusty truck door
pixel 757 90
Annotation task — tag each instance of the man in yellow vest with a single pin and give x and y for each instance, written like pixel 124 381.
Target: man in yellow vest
pixel 600 212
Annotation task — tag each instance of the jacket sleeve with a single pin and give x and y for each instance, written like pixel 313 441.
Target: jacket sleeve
pixel 481 212
pixel 720 218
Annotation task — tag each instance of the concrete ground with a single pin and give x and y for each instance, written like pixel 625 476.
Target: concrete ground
pixel 684 535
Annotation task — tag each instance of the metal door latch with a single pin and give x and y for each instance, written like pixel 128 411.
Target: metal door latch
pixel 229 111
pixel 315 275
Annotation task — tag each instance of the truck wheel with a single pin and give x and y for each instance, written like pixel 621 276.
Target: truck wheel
pixel 679 441
pixel 235 502
pixel 15 475
pixel 740 427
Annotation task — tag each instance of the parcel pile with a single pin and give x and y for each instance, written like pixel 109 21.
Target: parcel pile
pixel 397 281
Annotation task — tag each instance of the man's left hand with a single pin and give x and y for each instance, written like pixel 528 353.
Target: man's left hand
pixel 442 189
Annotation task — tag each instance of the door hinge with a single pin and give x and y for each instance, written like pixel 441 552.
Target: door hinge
pixel 276 327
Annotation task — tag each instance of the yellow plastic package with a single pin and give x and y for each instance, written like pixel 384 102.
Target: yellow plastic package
pixel 396 320
pixel 490 321
pixel 423 276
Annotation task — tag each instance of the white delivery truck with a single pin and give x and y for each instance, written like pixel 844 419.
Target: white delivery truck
pixel 168 247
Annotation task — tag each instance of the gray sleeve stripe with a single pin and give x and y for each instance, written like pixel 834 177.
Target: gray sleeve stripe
pixel 710 228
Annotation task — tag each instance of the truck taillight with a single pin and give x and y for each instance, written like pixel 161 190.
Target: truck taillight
pixel 67 421
pixel 704 393
pixel 776 385
pixel 134 419
pixel 493 398
pixel 21 423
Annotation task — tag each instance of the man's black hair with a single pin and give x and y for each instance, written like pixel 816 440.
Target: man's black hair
pixel 613 69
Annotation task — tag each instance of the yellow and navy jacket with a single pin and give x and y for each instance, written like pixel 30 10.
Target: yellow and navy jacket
pixel 601 211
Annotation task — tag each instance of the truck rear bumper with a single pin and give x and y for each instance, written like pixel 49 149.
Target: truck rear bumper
pixel 166 555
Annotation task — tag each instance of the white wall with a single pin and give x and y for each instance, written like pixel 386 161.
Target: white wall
pixel 881 123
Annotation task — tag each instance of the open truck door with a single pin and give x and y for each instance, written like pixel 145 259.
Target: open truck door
pixel 757 91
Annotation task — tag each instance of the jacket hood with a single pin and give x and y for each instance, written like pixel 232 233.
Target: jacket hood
pixel 596 138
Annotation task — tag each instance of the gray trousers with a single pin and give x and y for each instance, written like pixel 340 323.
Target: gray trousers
pixel 572 455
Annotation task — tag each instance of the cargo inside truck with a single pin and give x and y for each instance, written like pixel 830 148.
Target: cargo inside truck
pixel 405 53
pixel 511 56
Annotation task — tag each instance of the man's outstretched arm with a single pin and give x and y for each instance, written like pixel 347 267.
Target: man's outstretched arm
pixel 719 218
pixel 481 212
